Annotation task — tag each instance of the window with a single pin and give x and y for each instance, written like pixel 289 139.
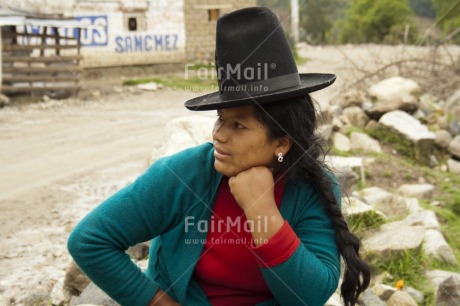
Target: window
pixel 132 24
pixel 213 14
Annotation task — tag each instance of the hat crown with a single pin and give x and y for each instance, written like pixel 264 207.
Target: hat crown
pixel 251 48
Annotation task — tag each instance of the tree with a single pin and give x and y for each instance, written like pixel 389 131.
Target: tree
pixel 376 21
pixel 422 8
pixel 448 16
pixel 317 18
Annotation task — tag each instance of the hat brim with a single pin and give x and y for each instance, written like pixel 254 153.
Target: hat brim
pixel 309 82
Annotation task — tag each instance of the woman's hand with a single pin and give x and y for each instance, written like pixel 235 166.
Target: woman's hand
pixel 161 298
pixel 253 189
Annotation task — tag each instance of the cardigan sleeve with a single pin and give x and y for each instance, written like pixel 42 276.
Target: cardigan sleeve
pixel 311 274
pixel 138 212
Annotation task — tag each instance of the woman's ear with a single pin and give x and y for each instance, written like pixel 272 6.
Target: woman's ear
pixel 284 145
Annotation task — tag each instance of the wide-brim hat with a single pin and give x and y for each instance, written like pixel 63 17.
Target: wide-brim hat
pixel 255 64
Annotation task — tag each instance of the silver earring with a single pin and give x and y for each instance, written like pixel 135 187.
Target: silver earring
pixel 280 157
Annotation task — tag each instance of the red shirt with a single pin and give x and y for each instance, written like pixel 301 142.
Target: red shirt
pixel 228 269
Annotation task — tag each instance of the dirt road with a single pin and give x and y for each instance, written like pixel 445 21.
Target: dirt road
pixel 58 160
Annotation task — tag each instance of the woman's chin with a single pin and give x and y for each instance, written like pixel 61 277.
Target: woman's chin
pixel 224 169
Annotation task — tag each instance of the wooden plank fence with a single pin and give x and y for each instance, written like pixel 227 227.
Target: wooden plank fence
pixel 42 66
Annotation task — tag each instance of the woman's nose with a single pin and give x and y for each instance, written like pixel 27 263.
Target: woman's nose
pixel 218 132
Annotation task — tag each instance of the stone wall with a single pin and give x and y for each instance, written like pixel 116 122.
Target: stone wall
pixel 200 25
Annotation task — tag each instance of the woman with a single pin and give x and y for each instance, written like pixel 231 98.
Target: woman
pixel 252 219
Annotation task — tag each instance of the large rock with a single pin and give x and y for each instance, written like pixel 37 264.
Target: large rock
pixel 347 169
pixel 425 218
pixel 442 138
pixel 75 280
pixel 355 116
pixel 361 141
pixel 416 136
pixel 436 246
pixel 393 94
pixel 4 101
pixel 453 100
pixel 368 298
pixel 352 98
pixel 401 298
pixel 182 133
pixel 448 293
pixel 420 191
pixel 341 142
pixel 454 120
pixel 394 237
pixel 334 300
pixel 454 147
pixel 436 277
pixel 93 295
pixel 354 206
pixel 389 204
pixel 453 166
pixel 39 294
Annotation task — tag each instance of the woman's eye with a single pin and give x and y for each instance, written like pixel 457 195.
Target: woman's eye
pixel 238 126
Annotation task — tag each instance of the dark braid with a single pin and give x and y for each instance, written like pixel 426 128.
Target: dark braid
pixel 297 119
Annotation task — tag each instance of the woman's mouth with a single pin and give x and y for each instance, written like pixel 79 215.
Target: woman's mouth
pixel 220 154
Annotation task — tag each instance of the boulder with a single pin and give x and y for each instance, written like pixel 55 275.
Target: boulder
pixel 401 298
pixel 454 120
pixel 93 295
pixel 75 281
pixel 381 200
pixel 425 218
pixel 340 142
pixel 436 277
pixel 454 147
pixel 344 168
pixel 383 291
pixel 394 237
pixel 354 206
pixel 412 133
pixel 39 294
pixel 395 93
pixel 420 191
pixel 4 101
pixel 413 205
pixel 442 138
pixel 418 296
pixel 325 131
pixel 334 300
pixel 352 98
pixel 453 166
pixel 182 133
pixel 448 293
pixel 355 116
pixel 361 141
pixel 139 251
pixel 368 298
pixel 453 100
pixel 436 246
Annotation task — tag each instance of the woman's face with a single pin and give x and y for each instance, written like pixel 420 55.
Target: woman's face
pixel 240 141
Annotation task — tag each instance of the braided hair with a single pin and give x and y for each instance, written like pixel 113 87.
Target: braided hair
pixel 297 118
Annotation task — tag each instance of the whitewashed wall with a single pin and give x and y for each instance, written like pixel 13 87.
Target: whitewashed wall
pixel 161 39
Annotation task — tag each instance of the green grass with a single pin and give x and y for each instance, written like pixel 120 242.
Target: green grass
pixel 387 136
pixel 407 265
pixel 361 223
pixel 192 83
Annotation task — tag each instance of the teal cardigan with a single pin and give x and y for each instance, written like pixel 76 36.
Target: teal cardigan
pixel 155 206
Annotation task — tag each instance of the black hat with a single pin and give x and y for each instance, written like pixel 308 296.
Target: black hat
pixel 255 64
